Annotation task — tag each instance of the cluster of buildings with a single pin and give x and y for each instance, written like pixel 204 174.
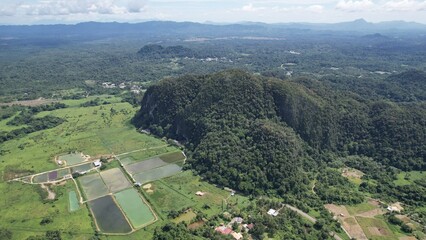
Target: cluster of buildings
pixel 133 88
pixel 227 229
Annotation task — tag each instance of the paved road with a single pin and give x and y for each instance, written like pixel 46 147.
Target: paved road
pixel 310 218
pixel 301 213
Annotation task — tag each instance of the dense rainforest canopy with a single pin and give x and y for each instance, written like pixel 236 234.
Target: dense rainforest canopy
pixel 257 134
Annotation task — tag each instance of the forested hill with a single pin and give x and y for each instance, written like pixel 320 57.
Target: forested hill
pixel 252 133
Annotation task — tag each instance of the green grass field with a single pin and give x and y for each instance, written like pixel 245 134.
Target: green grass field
pixel 368 223
pixel 166 199
pixel 22 210
pixel 146 154
pixel 360 208
pixel 185 217
pixel 406 178
pixel 187 184
pixel 72 158
pixel 133 206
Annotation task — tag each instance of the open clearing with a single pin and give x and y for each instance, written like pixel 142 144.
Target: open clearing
pixel 406 178
pixel 93 186
pixel 30 103
pixel 108 216
pixel 72 158
pixel 134 207
pixel 349 223
pixel 167 199
pixel 185 217
pixel 352 175
pixel 375 228
pixel 115 180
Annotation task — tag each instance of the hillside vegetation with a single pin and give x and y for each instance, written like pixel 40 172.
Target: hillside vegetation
pixel 259 134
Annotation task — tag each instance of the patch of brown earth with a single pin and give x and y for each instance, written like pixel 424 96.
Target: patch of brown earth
pixel 30 103
pixel 349 223
pixel 50 194
pixel 372 213
pixel 195 225
pixel 351 172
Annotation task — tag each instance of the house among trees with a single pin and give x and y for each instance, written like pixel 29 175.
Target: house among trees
pixel 273 212
pixel 223 230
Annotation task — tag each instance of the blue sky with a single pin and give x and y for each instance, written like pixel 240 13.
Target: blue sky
pixel 222 11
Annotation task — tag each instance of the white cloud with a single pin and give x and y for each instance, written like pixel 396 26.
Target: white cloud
pixel 355 6
pixel 315 8
pixel 72 7
pixel 8 9
pixel 136 6
pixel 250 8
pixel 405 5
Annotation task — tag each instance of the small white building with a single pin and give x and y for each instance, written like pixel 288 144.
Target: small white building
pixel 97 163
pixel 273 212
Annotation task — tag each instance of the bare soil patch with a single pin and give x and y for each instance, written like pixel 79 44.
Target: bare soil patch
pixel 30 103
pixel 195 225
pixel 50 194
pixel 352 173
pixel 337 210
pixel 407 238
pixel 349 223
pixel 377 231
pixel 403 218
pixel 372 213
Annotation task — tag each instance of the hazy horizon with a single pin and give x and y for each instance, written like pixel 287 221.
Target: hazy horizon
pixel 31 12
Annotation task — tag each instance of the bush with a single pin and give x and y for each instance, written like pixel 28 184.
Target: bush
pixel 46 220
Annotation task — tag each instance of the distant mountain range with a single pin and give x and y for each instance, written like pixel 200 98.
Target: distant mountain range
pixel 169 29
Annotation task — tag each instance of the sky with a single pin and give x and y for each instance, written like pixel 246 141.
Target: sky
pixel 220 11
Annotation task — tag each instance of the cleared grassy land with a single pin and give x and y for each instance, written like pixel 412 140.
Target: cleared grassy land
pixel 166 199
pixel 135 209
pixel 145 154
pixel 172 157
pixel 375 228
pixel 22 210
pixel 406 178
pixel 187 184
pixel 360 208
pixel 185 217
pixel 72 158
